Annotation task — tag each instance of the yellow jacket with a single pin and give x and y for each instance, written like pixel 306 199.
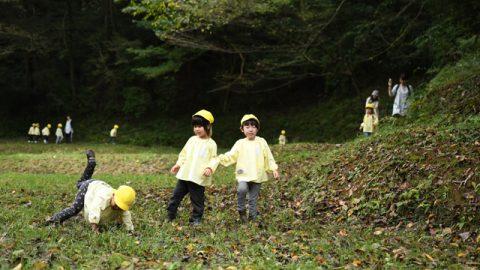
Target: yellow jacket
pixel 197 155
pixel 253 157
pixel 97 207
pixel 370 122
pixel 46 131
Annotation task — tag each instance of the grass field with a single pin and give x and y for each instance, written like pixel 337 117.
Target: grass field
pixel 38 180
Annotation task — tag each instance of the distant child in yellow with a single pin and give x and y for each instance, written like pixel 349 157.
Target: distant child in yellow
pixel 59 134
pixel 31 133
pixel 46 133
pixel 282 139
pixel 36 133
pixel 113 134
pixel 370 121
pixel 254 159
pixel 194 168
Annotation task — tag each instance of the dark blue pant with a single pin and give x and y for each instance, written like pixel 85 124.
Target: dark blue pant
pixel 197 198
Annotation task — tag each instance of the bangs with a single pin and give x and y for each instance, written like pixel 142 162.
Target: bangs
pixel 199 121
pixel 250 122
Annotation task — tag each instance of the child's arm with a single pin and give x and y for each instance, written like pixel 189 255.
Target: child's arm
pixel 127 220
pixel 271 165
pixel 213 164
pixel 230 157
pixel 182 157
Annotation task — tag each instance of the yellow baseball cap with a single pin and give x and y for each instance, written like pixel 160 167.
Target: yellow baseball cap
pixel 248 117
pixel 369 106
pixel 205 114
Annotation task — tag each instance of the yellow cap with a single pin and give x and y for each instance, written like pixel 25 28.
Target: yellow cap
pixel 283 132
pixel 59 125
pixel 205 114
pixel 115 126
pixel 248 117
pixel 49 126
pixel 369 106
pixel 124 197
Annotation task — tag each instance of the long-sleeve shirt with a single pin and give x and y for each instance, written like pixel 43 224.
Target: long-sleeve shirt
pixel 113 132
pixel 282 139
pixel 197 155
pixel 59 132
pixel 370 122
pixel 253 158
pixel 31 131
pixel 36 131
pixel 97 208
pixel 46 131
pixel 68 127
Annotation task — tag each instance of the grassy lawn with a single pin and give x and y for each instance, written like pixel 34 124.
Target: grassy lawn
pixel 38 180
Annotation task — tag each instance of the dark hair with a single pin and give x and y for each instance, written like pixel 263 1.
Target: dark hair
pixel 251 122
pixel 403 76
pixel 200 121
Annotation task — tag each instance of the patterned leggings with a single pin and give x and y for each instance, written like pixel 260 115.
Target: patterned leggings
pixel 77 205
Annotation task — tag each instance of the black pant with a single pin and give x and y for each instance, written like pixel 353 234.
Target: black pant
pixel 82 186
pixel 68 137
pixel 197 197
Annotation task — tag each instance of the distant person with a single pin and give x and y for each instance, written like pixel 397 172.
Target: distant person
pixel 36 133
pixel 370 121
pixel 59 134
pixel 193 168
pixel 99 201
pixel 113 134
pixel 373 99
pixel 253 160
pixel 31 133
pixel 401 92
pixel 69 130
pixel 46 133
pixel 282 139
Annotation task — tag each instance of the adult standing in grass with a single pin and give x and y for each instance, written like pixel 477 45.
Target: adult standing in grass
pixel 69 130
pixel 99 201
pixel 401 92
pixel 193 168
pixel 374 100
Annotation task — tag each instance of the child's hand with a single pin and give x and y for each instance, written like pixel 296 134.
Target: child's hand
pixel 207 172
pixel 175 169
pixel 276 175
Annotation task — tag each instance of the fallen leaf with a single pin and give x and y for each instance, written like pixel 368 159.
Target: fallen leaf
pixel 357 263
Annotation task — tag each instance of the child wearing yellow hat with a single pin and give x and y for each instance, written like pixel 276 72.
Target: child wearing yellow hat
pixel 282 139
pixel 194 167
pixel 370 121
pixel 254 159
pixel 46 133
pixel 31 133
pixel 101 203
pixel 59 134
pixel 113 134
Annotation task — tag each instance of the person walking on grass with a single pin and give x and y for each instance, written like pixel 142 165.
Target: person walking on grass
pixel 113 134
pixel 36 133
pixel 401 92
pixel 59 134
pixel 194 168
pixel 46 133
pixel 370 121
pixel 69 130
pixel 254 159
pixel 373 99
pixel 282 139
pixel 101 203
pixel 31 133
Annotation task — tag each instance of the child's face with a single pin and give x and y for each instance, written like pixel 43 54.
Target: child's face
pixel 369 111
pixel 249 131
pixel 200 131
